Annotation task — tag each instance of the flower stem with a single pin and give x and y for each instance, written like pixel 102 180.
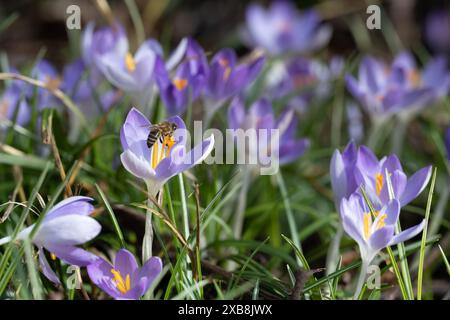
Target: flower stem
pixel 242 203
pixel 361 279
pixel 184 206
pixel 147 242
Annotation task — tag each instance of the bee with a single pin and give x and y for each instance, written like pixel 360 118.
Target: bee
pixel 160 131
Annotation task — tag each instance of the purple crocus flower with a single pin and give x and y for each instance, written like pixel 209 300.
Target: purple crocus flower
pixel 282 28
pixel 165 159
pixel 383 90
pixel 227 78
pixel 371 173
pixel 260 117
pixel 106 40
pixel 373 231
pixel 188 80
pixel 131 73
pixel 124 279
pixel 342 168
pixel 437 25
pixel 64 227
pixel 44 71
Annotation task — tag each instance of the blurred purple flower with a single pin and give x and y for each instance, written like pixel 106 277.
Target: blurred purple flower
pixel 260 116
pixel 189 78
pixel 342 173
pixel 371 173
pixel 132 74
pixel 164 160
pixel 13 106
pixel 226 78
pixel 384 90
pixel 124 279
pixel 437 25
pixel 282 28
pixel 355 122
pixel 373 231
pixel 301 80
pixel 106 40
pixel 44 71
pixel 64 227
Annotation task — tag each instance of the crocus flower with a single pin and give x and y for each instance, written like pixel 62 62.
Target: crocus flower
pixel 188 80
pixel 373 231
pixel 300 80
pixel 260 117
pixel 162 161
pixel 44 71
pixel 227 78
pixel 383 90
pixel 282 28
pixel 435 75
pixel 64 227
pixel 124 279
pixel 371 173
pixel 342 168
pixel 437 25
pixel 106 40
pixel 133 74
pixel 11 103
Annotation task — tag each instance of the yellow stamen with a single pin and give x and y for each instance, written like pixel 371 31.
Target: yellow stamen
pixel 180 84
pixel 155 151
pixel 379 183
pixel 129 62
pixel 414 78
pixel 52 256
pixel 367 221
pixel 226 64
pixel 123 286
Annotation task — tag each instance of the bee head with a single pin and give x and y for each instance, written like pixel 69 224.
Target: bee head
pixel 174 127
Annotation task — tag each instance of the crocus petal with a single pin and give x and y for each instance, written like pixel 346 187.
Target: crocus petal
pixel 338 177
pixel 46 269
pixel 135 128
pixel 408 233
pixel 72 255
pixel 77 205
pixel 415 185
pixel 125 262
pixel 381 238
pixel 67 230
pixel 367 161
pixel 150 270
pixel 236 113
pixel 100 274
pixel 138 166
pixel 177 55
pixel 392 212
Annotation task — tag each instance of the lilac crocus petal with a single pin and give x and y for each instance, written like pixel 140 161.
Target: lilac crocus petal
pixel 125 262
pixel 381 238
pixel 177 54
pixel 74 205
pixel 100 274
pixel 137 165
pixel 408 233
pixel 392 211
pixel 338 177
pixel 67 230
pixel 368 161
pixel 46 269
pixel 71 255
pixel 415 185
pixel 150 270
pixel 351 216
pixel 236 113
pixel 135 128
